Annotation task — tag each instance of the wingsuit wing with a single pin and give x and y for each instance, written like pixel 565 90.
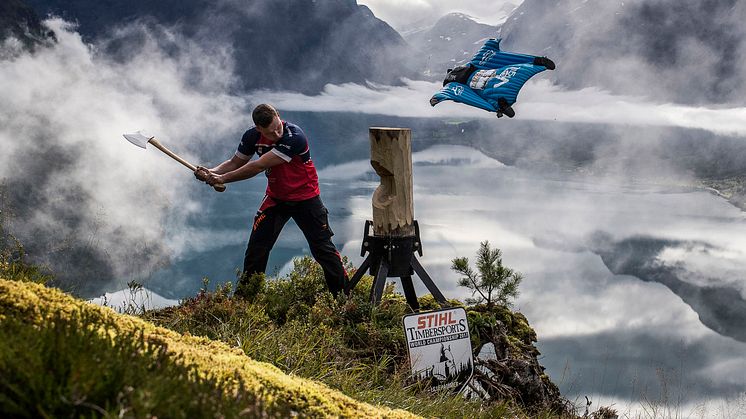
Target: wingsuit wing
pixel 494 79
pixel 461 93
pixel 506 82
pixel 490 57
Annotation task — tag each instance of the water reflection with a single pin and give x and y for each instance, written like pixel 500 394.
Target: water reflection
pixel 602 334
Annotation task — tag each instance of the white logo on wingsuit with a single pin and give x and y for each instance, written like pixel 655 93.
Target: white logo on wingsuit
pixel 487 55
pixel 457 90
pixel 505 76
pixel 480 79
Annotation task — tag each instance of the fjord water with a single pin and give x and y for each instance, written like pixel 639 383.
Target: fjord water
pixel 579 240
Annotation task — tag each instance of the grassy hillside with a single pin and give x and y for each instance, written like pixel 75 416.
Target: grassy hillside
pixel 293 323
pixel 60 356
pixel 289 350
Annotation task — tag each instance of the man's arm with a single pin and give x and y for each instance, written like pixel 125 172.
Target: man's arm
pixel 229 165
pixel 202 173
pixel 245 171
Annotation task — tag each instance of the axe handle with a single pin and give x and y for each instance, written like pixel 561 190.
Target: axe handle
pixel 218 187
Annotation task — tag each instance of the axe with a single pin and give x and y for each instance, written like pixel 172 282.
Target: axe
pixel 141 140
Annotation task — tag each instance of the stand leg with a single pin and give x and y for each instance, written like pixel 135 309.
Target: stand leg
pixel 411 296
pixel 359 273
pixel 439 297
pixel 376 291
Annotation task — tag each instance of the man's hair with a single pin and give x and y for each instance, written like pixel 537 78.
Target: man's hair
pixel 264 114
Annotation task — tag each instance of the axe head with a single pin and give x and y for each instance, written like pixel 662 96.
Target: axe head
pixel 138 138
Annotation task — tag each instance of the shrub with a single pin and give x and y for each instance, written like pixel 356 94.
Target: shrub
pixel 294 323
pixel 492 282
pixel 13 258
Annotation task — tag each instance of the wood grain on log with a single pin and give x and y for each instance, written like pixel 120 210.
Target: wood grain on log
pixel 393 205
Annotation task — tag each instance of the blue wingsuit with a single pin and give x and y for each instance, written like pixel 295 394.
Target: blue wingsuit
pixel 492 79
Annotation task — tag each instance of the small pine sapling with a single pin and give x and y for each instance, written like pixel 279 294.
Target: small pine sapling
pixel 492 282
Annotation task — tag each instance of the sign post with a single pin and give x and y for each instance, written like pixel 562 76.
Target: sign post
pixel 439 347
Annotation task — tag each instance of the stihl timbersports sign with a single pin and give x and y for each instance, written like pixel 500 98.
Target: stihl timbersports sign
pixel 440 348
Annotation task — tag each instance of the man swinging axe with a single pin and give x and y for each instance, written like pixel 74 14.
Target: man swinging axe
pixel 292 192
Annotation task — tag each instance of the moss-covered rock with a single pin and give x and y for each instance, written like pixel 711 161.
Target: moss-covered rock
pixel 514 372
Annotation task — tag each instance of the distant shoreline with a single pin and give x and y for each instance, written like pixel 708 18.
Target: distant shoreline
pixel 731 189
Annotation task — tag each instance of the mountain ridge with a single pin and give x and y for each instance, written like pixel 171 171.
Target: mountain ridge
pixel 451 41
pixel 19 21
pixel 297 45
pixel 668 50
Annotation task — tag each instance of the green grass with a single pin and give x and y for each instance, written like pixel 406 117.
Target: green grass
pixel 13 263
pixel 74 371
pixel 63 357
pixel 295 324
pixel 214 355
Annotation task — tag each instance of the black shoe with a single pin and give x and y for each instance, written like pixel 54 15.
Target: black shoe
pixel 544 61
pixel 504 108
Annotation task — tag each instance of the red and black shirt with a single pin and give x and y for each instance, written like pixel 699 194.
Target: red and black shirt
pixel 296 179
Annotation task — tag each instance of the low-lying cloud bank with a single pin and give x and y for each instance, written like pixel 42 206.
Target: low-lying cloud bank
pixel 539 101
pixel 133 300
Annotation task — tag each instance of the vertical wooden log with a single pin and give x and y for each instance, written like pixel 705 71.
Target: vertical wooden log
pixel 391 157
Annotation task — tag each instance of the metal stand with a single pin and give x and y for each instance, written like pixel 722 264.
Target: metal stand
pixel 390 257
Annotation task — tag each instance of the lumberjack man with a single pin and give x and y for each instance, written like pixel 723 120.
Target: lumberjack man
pixel 292 192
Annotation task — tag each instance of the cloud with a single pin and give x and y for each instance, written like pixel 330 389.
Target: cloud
pixel 637 47
pixel 539 101
pixel 133 300
pixel 645 366
pixel 88 204
pixel 714 294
